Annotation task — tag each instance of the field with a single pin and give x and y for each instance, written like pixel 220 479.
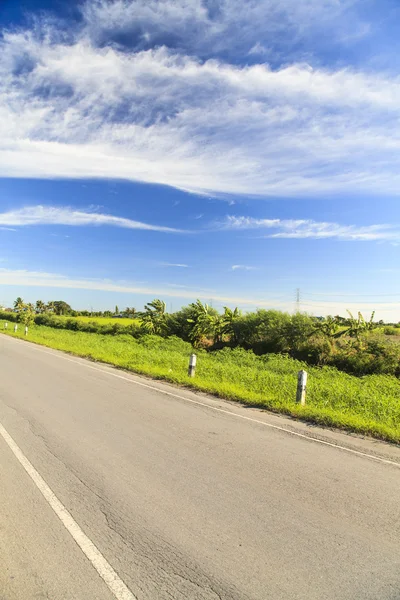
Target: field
pixel 369 405
pixel 101 320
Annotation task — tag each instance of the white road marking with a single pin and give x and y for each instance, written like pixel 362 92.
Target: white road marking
pixel 104 569
pixel 221 410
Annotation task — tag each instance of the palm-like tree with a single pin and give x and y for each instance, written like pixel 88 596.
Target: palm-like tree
pixel 40 306
pixel 202 322
pixel 226 323
pixel 50 307
pixel 130 311
pixel 19 304
pixel 154 317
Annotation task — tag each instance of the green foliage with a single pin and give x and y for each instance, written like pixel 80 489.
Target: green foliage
pixel 226 324
pixel 369 405
pixel 350 344
pixel 50 307
pixel 328 327
pixel 25 312
pixel 203 323
pixel 59 307
pixel 27 316
pixel 391 331
pixel 154 317
pixel 40 306
pixel 375 355
pixel 359 326
pixel 19 304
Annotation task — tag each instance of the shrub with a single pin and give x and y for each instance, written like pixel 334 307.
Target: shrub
pixel 316 350
pixel 9 316
pixel 391 331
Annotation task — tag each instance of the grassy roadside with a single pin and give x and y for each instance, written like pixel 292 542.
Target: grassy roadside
pixel 368 405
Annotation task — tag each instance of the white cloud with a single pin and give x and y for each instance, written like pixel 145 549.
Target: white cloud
pixel 49 215
pixel 51 280
pixel 166 264
pixel 172 115
pixel 307 228
pixel 242 268
pixel 228 26
pixel 258 49
pixel 25 278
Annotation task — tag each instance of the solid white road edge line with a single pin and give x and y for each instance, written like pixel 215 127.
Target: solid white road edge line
pixel 104 569
pixel 82 363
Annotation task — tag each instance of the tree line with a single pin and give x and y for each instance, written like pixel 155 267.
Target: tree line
pixel 350 343
pixel 62 308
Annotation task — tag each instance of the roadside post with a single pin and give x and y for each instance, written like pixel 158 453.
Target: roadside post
pixel 15 328
pixel 301 387
pixel 192 365
pixel 26 329
pixel 5 325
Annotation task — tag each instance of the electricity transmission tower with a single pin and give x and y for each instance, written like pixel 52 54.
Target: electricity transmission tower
pixel 297 300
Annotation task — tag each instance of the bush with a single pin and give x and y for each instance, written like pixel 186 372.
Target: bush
pixel 316 350
pixel 372 355
pixel 9 316
pixel 391 331
pixel 260 333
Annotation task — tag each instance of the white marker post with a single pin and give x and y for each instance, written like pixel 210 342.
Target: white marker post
pixel 192 365
pixel 26 329
pixel 301 387
pixel 15 328
pixel 5 325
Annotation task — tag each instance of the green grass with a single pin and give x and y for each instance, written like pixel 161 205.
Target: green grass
pixel 367 405
pixel 100 320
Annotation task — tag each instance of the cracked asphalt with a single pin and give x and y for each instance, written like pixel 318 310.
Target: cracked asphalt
pixel 184 501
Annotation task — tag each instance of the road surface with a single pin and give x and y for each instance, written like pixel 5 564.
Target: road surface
pixel 175 495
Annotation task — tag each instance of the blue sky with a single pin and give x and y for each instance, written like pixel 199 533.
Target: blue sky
pixel 224 150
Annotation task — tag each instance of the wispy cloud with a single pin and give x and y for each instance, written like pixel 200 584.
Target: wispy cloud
pixel 7 229
pixel 243 268
pixel 167 264
pixel 25 278
pixel 230 27
pixel 307 228
pixel 50 215
pixel 258 49
pixel 52 280
pixel 179 113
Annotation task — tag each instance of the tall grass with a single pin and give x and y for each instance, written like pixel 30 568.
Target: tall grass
pixel 369 405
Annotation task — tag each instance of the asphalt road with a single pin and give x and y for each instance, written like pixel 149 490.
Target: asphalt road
pixel 182 496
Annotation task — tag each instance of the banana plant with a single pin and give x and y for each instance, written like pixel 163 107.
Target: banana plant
pixel 202 323
pixel 154 317
pixel 328 327
pixel 227 320
pixel 358 326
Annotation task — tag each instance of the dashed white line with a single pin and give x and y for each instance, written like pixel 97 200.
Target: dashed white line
pixel 104 569
pixel 220 410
